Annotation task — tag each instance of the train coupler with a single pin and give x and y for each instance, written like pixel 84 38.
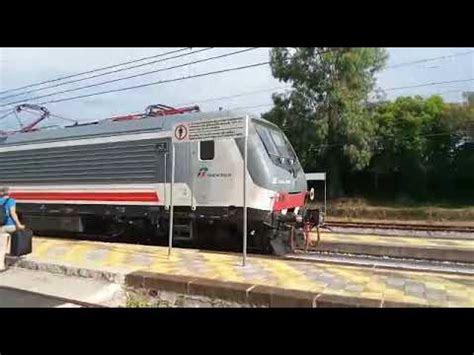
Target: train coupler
pixel 300 235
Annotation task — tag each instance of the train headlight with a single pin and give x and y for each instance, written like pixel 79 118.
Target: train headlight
pixel 279 197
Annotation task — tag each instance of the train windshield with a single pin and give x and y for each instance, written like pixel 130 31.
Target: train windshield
pixel 275 142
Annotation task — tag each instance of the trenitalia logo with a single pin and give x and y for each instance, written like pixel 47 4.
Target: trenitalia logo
pixel 202 172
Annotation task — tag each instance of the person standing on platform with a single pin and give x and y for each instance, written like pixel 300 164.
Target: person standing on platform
pixel 9 225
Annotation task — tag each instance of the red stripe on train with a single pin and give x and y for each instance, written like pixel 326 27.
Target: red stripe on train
pixel 285 200
pixel 87 196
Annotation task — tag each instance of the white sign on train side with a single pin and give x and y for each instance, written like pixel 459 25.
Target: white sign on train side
pixel 209 130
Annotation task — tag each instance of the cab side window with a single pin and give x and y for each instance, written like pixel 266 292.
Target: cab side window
pixel 206 150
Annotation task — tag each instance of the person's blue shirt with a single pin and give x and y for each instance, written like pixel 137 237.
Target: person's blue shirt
pixel 8 206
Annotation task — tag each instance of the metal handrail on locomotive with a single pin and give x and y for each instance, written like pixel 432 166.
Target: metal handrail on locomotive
pixel 112 178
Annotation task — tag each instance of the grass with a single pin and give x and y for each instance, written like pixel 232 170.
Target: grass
pixel 139 300
pixel 401 203
pixel 362 209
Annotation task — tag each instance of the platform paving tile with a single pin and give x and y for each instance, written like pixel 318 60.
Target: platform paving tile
pixel 394 286
pixel 192 265
pixel 140 260
pixel 96 255
pixel 395 282
pixel 436 296
pixel 254 273
pixel 57 251
pixel 354 288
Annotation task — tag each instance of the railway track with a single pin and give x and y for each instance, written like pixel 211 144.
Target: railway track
pixel 401 226
pixel 382 262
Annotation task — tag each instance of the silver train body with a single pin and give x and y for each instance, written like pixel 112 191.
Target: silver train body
pixel 86 177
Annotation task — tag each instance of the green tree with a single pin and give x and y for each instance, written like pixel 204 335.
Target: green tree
pixel 325 115
pixel 461 120
pixel 423 147
pixel 405 129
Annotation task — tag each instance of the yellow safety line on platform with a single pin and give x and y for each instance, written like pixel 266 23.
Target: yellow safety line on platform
pixel 287 276
pixel 163 264
pixel 223 267
pixel 40 246
pixel 76 254
pixel 345 280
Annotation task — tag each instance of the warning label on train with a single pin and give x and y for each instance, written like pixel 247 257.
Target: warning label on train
pixel 209 130
pixel 181 132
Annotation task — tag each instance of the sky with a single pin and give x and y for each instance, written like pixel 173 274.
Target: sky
pixel 23 66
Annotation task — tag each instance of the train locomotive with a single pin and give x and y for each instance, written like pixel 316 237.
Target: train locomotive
pixel 113 178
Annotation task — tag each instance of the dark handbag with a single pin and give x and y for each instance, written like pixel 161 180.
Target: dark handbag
pixel 21 242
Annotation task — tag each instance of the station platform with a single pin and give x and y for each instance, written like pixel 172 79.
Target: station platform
pixel 441 249
pixel 265 281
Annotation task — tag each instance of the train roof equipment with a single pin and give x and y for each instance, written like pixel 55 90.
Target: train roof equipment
pixel 98 127
pixel 155 118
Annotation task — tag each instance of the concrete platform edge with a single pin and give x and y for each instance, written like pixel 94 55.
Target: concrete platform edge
pixel 258 295
pixel 253 294
pixel 63 269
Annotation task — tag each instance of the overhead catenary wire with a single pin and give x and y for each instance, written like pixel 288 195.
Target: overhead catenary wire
pixel 271 104
pixel 108 67
pixel 429 84
pixel 426 60
pixel 251 106
pixel 96 70
pixel 9 111
pixel 132 76
pixel 397 88
pixel 289 87
pixel 247 93
pixel 106 73
pixel 245 107
pixel 157 83
pixel 275 88
pixel 441 93
pixel 63 118
pixel 266 90
pixel 176 51
pixel 7 114
pixel 103 83
pixel 339 144
pixel 256 105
